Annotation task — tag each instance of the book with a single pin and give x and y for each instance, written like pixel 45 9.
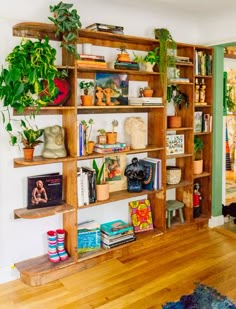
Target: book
pixel 198 121
pixel 157 172
pixel 100 26
pixel 91 57
pixel 126 65
pixel 145 101
pixel 174 144
pixel 116 236
pixel 122 242
pixel 111 145
pixel 109 150
pixel 44 190
pixel 91 177
pixel 89 236
pixel 149 174
pixel 94 64
pixel 115 227
pixel 118 239
pixel 141 215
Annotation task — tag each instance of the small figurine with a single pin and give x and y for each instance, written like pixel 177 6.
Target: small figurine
pixel 202 92
pixel 135 175
pixel 197 92
pixel 108 93
pixel 99 96
pixel 196 200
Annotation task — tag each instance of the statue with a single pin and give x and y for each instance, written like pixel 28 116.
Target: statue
pixel 54 146
pixel 202 92
pixel 136 128
pixel 99 96
pixel 108 93
pixel 135 175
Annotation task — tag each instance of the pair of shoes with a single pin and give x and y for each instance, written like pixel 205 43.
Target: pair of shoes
pixel 56 246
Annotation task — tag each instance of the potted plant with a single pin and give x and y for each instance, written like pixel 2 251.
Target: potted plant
pixel 21 83
pixel 167 51
pixel 123 56
pixel 102 187
pixel 151 59
pixel 198 161
pixel 147 92
pixel 180 100
pixel 101 138
pixel 89 145
pixel 86 98
pixel 29 137
pixel 112 136
pixel 68 24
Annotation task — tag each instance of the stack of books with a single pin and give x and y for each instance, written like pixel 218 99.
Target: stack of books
pixel 110 148
pixel 116 233
pixel 86 186
pixel 106 28
pixel 145 101
pixel 95 61
pixel 123 65
pixel 153 173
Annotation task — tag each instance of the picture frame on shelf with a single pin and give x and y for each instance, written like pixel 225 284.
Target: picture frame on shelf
pixel 114 172
pixel 174 144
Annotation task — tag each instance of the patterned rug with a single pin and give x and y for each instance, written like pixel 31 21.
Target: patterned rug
pixel 203 297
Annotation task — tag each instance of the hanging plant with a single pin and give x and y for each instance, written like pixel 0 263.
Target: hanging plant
pixel 68 24
pixel 179 98
pixel 166 43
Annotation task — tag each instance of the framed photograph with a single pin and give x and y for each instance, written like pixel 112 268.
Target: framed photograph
pixel 114 172
pixel 198 121
pixel 116 85
pixel 174 144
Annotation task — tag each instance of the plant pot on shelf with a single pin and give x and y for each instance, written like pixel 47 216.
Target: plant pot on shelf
pixel 90 147
pixel 102 139
pixel 87 100
pixel 174 121
pixel 173 175
pixel 28 154
pixel 197 167
pixel 111 137
pixel 149 66
pixel 102 191
pixel 148 92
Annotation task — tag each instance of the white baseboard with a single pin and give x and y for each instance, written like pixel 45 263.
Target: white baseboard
pixel 216 221
pixel 8 274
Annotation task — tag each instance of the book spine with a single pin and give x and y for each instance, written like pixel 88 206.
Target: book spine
pixel 91 57
pixel 109 150
pixel 80 190
pixel 86 188
pixel 110 145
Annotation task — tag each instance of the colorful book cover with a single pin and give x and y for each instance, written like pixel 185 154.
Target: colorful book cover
pixel 149 174
pixel 115 227
pixel 141 215
pixel 44 190
pixel 174 144
pixel 198 121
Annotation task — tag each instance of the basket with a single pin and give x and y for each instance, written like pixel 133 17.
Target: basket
pixel 173 175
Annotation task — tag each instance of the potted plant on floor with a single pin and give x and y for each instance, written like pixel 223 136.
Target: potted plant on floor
pixel 102 187
pixel 112 136
pixel 68 24
pixel 87 87
pixel 180 100
pixel 88 125
pixel 198 161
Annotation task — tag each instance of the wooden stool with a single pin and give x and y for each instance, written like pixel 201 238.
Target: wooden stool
pixel 172 205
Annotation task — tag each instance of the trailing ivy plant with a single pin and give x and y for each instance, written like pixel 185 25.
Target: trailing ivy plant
pixel 21 84
pixel 68 24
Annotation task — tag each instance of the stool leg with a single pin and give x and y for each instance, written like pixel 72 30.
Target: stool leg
pixel 169 215
pixel 181 215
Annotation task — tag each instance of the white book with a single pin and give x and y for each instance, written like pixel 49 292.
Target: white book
pixel 80 190
pixel 85 188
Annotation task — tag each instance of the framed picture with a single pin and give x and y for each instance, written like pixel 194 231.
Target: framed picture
pixel 116 84
pixel 198 121
pixel 114 172
pixel 174 144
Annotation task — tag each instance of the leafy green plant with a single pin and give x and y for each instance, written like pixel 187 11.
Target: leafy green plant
pixel 30 137
pixel 114 124
pixel 152 56
pixel 166 43
pixel 123 49
pixel 68 24
pixel 99 172
pixel 230 104
pixel 198 146
pixel 101 131
pixel 88 127
pixel 180 99
pixel 86 86
pixel 30 64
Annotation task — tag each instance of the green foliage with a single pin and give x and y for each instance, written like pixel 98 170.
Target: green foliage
pixel 86 86
pixel 228 99
pixel 88 127
pixel 198 146
pixel 101 131
pixel 123 49
pixel 68 24
pixel 114 124
pixel 180 99
pixel 152 56
pixel 99 172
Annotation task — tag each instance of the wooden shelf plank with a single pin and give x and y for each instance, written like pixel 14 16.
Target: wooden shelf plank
pixel 42 212
pixel 182 183
pixel 179 129
pixel 182 155
pixel 116 109
pixel 39 160
pixel 204 174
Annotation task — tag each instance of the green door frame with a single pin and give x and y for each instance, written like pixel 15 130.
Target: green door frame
pixel 218 113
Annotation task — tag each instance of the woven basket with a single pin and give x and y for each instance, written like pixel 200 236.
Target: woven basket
pixel 173 175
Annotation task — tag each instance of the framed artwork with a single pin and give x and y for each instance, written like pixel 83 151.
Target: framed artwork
pixel 116 84
pixel 114 172
pixel 198 121
pixel 174 144
pixel 141 215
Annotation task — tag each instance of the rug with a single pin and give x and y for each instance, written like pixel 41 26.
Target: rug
pixel 203 297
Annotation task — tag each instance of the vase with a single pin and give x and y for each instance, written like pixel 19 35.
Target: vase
pixel 90 147
pixel 197 167
pixel 87 100
pixel 28 154
pixel 111 137
pixel 174 122
pixel 147 92
pixel 102 191
pixel 149 66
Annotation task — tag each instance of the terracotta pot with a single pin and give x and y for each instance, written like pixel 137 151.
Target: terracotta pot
pixel 147 92
pixel 102 139
pixel 28 154
pixel 197 167
pixel 102 191
pixel 111 137
pixel 174 121
pixel 87 100
pixel 123 57
pixel 90 147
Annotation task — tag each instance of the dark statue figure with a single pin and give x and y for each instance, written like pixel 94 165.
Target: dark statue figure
pixel 135 175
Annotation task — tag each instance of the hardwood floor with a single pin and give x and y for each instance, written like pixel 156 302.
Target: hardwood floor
pixel 161 270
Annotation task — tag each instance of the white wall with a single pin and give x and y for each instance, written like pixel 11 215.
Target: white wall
pixel 22 239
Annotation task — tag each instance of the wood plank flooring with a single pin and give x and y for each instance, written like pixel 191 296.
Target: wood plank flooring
pixel 161 270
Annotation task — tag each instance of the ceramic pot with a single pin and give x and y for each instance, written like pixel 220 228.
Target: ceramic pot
pixel 102 139
pixel 111 137
pixel 102 191
pixel 147 92
pixel 174 121
pixel 87 100
pixel 149 66
pixel 197 167
pixel 28 154
pixel 90 147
